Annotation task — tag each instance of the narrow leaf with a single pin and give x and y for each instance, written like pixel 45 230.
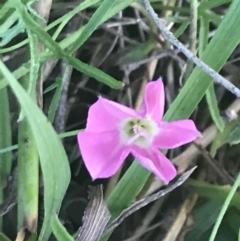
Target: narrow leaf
pixel 213 107
pixel 234 137
pixel 53 159
pixel 59 230
pixel 5 141
pixel 58 51
pixel 92 24
pixel 210 93
pixel 55 100
pixel 213 191
pixel 4 238
pixel 95 73
pixel 5 137
pixel 145 201
pixel 224 137
pixel 204 217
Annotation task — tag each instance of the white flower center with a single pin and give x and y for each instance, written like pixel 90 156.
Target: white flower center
pixel 139 132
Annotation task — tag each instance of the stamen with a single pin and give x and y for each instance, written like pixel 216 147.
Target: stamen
pixel 141 131
pixel 133 139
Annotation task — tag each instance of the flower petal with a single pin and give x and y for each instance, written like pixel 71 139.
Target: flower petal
pixel 102 153
pixel 154 98
pixel 175 134
pixel 105 115
pixel 156 162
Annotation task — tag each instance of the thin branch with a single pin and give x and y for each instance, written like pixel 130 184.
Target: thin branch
pixel 146 200
pixel 170 37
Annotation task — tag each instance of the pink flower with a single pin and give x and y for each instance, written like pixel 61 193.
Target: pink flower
pixel 114 131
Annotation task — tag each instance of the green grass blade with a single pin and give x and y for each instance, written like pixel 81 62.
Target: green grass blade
pixel 213 107
pixel 59 230
pixel 224 208
pixel 95 73
pixel 234 137
pixel 5 141
pixel 210 93
pixel 117 202
pixel 213 4
pixel 28 164
pixel 203 35
pixel 213 191
pixel 204 217
pixel 9 148
pixel 199 81
pixel 62 135
pixel 24 69
pixel 8 23
pixel 4 238
pixel 53 159
pixel 28 173
pixel 63 19
pixel 181 29
pixel 56 97
pixel 223 137
pixel 58 51
pixel 4 9
pixel 120 5
pixel 93 23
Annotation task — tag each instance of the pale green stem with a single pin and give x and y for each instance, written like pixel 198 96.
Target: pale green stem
pixel 27 177
pixel 28 163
